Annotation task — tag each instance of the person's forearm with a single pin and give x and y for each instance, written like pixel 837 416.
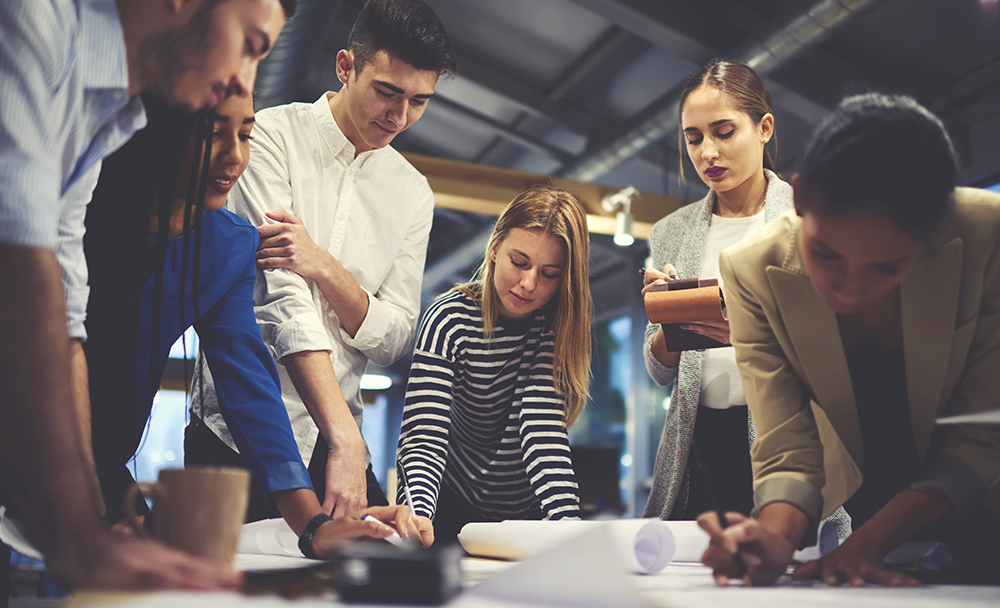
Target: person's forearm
pixel 348 300
pixel 297 507
pixel 312 374
pixel 659 348
pixel 40 440
pixel 81 401
pixel 786 519
pixel 907 513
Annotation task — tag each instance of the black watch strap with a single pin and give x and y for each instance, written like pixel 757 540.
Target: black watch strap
pixel 306 538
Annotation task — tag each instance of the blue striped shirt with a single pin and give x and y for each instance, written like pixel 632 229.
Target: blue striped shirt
pixel 64 107
pixel 484 417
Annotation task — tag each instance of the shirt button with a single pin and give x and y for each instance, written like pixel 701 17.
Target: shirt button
pixel 340 217
pixel 118 95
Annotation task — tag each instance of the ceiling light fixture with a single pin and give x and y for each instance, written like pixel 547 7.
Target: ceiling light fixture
pixel 621 202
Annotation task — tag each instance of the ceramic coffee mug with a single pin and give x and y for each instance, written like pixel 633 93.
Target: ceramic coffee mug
pixel 198 509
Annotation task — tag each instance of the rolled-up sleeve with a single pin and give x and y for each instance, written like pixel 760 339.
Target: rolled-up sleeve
pixel 69 252
pixel 387 332
pixel 788 453
pixel 286 313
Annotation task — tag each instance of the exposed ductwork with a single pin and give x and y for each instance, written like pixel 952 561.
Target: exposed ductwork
pixel 280 74
pixel 764 55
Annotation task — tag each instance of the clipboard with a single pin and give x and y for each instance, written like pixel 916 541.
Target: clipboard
pixel 686 301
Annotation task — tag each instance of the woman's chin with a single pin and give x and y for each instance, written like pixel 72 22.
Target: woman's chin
pixel 214 203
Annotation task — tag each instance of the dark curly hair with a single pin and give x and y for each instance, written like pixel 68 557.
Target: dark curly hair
pixel 885 150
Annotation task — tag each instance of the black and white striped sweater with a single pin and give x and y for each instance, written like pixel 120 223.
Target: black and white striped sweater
pixel 484 417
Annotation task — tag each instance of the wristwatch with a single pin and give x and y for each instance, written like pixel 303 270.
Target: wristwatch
pixel 306 538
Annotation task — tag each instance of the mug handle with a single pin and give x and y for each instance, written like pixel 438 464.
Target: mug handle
pixel 151 489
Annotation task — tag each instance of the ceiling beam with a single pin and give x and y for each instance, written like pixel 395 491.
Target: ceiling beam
pixel 647 28
pixel 505 131
pixel 576 73
pixel 526 96
pixel 488 190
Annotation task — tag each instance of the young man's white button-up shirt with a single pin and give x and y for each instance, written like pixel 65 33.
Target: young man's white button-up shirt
pixel 372 212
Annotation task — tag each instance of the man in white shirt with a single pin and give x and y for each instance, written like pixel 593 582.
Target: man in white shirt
pixel 344 222
pixel 70 71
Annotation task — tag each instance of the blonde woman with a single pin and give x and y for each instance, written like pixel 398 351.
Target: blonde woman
pixel 500 371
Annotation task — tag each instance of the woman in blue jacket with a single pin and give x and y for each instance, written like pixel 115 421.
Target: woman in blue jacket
pixel 179 261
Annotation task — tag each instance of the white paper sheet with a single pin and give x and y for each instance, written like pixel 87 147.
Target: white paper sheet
pixel 826 541
pixel 645 546
pixel 269 537
pixel 257 561
pixel 642 545
pixel 990 417
pixel 581 571
pixel 14 535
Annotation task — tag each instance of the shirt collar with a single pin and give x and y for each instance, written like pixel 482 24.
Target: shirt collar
pixel 102 47
pixel 332 134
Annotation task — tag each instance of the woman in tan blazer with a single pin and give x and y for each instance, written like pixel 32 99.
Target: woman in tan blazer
pixel 858 321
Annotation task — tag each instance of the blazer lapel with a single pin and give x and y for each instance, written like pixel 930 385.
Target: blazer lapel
pixel 929 306
pixel 814 334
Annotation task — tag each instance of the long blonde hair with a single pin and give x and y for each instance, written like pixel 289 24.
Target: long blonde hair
pixel 560 214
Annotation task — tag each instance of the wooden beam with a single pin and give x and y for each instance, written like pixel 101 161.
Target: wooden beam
pixel 487 190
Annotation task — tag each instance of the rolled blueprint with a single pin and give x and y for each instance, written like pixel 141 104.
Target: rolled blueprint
pixel 643 545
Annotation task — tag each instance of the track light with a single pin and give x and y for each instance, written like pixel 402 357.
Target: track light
pixel 622 202
pixel 623 229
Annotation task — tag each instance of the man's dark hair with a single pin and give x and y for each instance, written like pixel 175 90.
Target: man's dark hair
pixel 408 29
pixel 289 6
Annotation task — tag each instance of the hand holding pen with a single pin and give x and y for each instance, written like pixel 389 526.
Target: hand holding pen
pixel 406 486
pixel 740 547
pixel 651 276
pixel 720 523
pixel 765 552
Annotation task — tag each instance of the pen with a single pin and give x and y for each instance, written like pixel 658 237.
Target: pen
pixel 406 486
pixel 642 273
pixel 741 566
pixel 394 538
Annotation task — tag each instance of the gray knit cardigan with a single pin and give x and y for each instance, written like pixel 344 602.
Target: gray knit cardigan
pixel 679 239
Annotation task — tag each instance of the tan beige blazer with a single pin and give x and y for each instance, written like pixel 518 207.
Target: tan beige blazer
pixel 795 372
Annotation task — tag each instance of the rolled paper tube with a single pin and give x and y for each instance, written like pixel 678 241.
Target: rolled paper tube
pixel 685 305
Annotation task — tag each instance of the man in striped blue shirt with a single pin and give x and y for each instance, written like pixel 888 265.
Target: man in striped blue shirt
pixel 70 71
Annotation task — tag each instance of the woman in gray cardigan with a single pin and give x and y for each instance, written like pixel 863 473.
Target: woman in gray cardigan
pixel 726 122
